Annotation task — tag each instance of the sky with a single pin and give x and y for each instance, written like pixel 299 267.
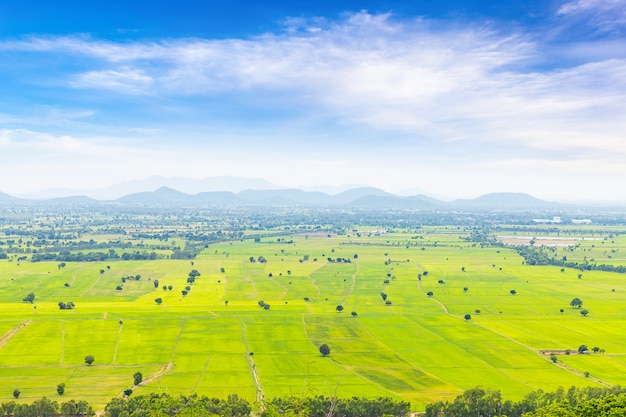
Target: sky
pixel 455 98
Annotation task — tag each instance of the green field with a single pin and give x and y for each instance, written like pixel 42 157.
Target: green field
pixel 216 340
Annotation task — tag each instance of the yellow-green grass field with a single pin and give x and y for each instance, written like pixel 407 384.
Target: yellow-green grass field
pixel 217 340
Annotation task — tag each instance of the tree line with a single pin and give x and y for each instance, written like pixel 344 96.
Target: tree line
pixel 575 402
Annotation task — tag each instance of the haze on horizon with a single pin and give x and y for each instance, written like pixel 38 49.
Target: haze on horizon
pixel 461 99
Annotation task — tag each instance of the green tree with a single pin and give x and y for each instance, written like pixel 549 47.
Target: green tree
pixel 89 359
pixel 339 308
pixel 576 303
pixel 158 300
pixel 61 388
pixel 16 393
pixel 137 378
pixel 467 317
pixel 584 312
pixel 30 298
pixel 354 314
pixel 324 350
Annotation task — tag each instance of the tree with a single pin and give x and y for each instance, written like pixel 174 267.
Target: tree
pixel 325 350
pixel 16 393
pixel 156 283
pixel 89 359
pixel 463 268
pixel 137 378
pixel 583 349
pixel 128 391
pixel 429 293
pixel 513 292
pixel 584 312
pixel 354 314
pixel 465 289
pixel 576 303
pixel 468 317
pixel 158 300
pixel 553 358
pixel 30 298
pixel 61 388
pixel 383 296
pixel 339 308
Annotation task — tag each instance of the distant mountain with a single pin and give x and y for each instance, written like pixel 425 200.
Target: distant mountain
pixel 349 196
pixel 186 185
pixel 290 196
pixel 503 201
pixel 163 196
pixel 362 197
pixel 80 200
pixel 5 198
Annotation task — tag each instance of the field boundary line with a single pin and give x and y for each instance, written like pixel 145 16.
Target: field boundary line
pixel 542 356
pixel 358 268
pixel 6 338
pixel 206 365
pixel 260 394
pixel 162 371
pixel 180 333
pixel 117 343
pixel 62 343
pixel 443 306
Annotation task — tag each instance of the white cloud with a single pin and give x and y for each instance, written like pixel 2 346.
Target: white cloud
pixel 605 15
pixel 465 95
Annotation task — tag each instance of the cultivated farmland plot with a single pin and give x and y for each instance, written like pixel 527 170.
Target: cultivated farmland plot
pixel 218 339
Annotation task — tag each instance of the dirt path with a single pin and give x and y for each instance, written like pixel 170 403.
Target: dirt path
pixel 443 306
pixel 62 343
pixel 260 395
pixel 117 343
pixel 164 369
pixel 206 366
pixel 6 338
pixel 546 357
pixel 358 267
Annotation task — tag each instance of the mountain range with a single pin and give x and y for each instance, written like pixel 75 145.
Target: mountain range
pixel 355 198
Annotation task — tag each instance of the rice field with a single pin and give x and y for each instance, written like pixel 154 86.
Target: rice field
pixel 217 339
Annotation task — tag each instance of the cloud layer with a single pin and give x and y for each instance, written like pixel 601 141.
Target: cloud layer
pixel 427 88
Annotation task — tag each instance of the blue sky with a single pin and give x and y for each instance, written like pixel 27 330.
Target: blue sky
pixel 455 99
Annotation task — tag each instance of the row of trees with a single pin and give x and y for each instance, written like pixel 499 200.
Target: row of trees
pixel 322 406
pixel 47 408
pixel 575 402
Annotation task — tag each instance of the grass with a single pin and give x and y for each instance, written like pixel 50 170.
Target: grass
pixel 418 348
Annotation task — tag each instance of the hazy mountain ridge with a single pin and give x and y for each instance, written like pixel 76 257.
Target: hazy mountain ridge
pixel 363 197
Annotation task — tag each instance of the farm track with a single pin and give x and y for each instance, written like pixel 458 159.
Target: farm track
pixel 162 371
pixel 6 338
pixel 260 394
pixel 352 285
pixel 182 328
pixel 62 343
pixel 117 343
pixel 443 306
pixel 562 365
pixel 206 366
